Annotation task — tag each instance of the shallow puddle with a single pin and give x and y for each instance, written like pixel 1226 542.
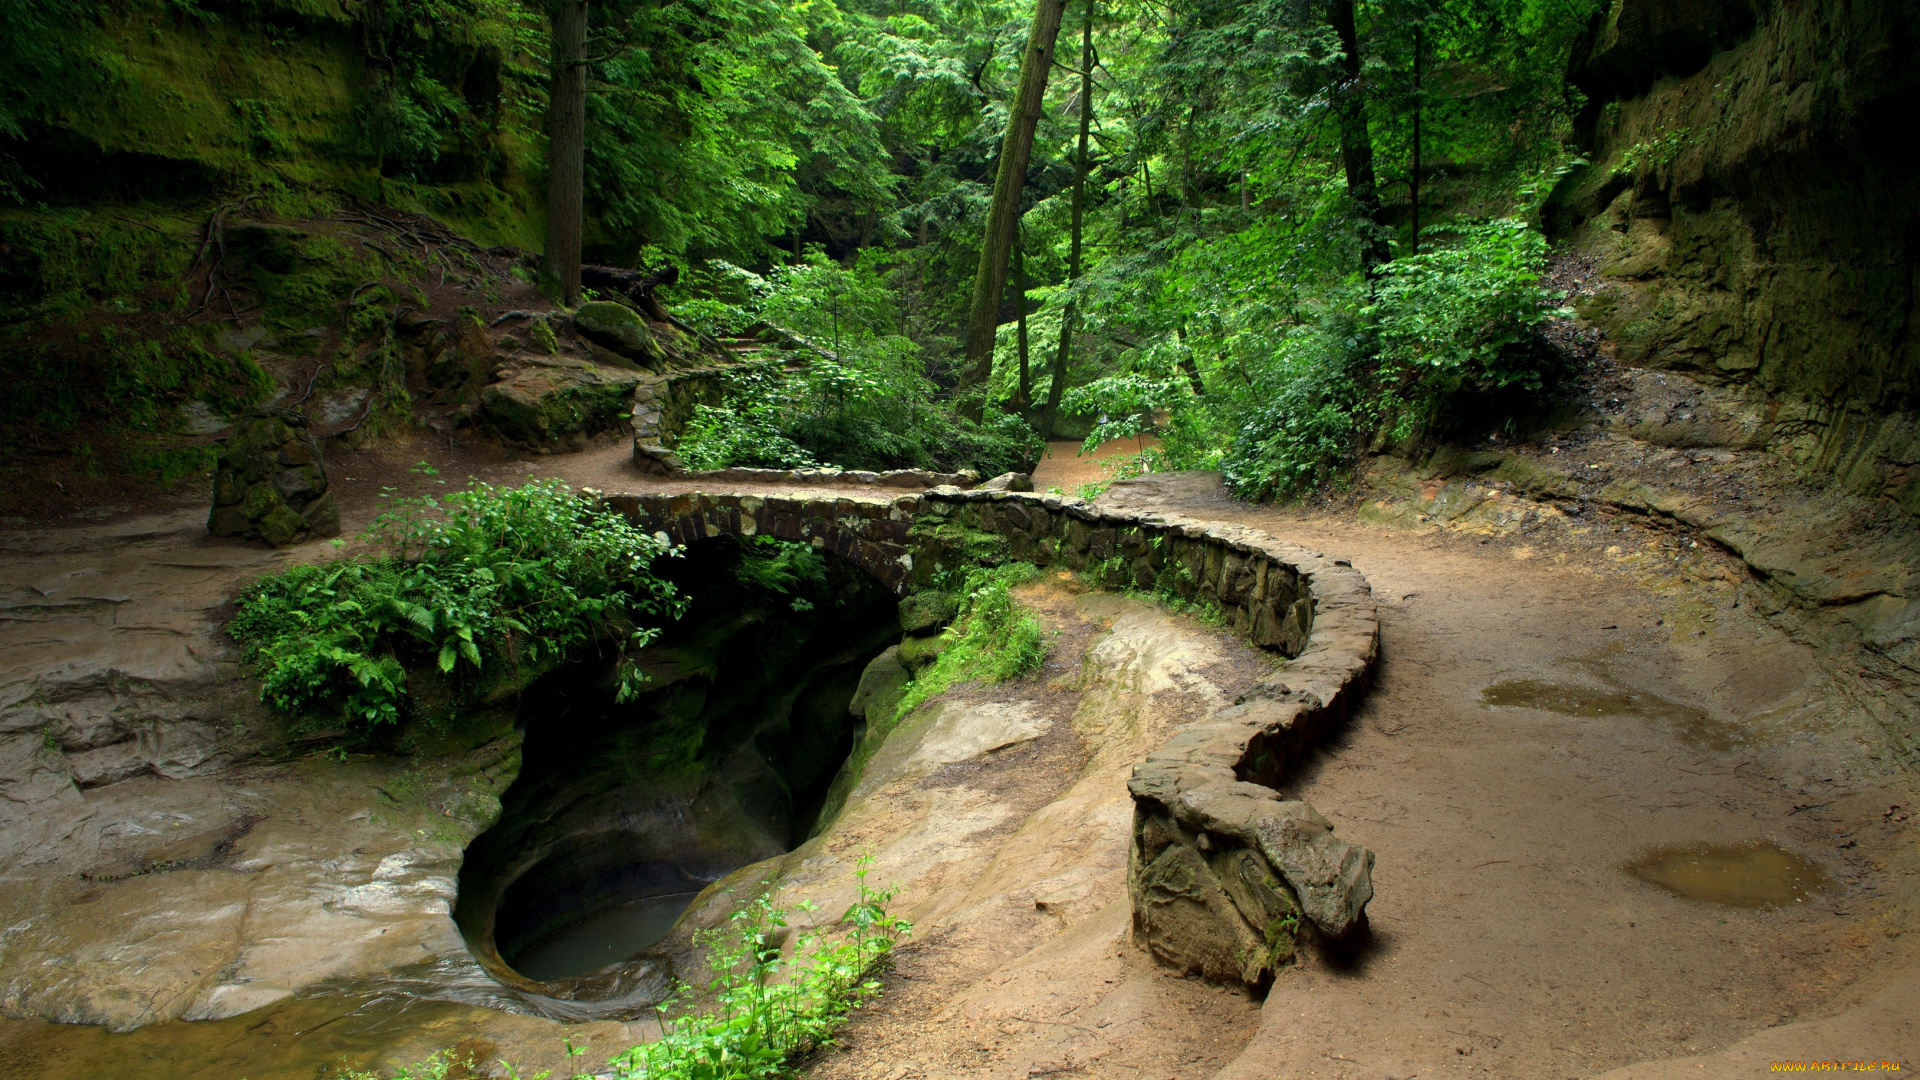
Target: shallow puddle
pixel 1690 724
pixel 1752 875
pixel 609 937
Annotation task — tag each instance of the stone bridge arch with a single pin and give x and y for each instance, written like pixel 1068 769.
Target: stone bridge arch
pixel 872 533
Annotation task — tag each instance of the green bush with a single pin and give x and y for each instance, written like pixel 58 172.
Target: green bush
pixel 1461 317
pixel 768 1009
pixel 484 585
pixel 1441 338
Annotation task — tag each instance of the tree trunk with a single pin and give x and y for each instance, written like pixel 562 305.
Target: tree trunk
pixel 1419 46
pixel 1020 316
pixel 1356 145
pixel 991 279
pixel 1081 165
pixel 567 148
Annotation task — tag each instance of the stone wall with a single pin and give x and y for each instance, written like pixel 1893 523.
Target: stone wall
pixel 662 405
pixel 1224 871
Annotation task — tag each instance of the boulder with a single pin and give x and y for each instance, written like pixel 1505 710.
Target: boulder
pixel 1011 481
pixel 882 685
pixel 555 402
pixel 618 327
pixel 271 483
pixel 926 612
pixel 1188 919
pixel 1332 878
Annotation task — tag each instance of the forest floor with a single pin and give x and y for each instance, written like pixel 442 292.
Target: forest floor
pixel 1507 940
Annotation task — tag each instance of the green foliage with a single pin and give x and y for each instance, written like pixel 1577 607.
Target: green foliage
pixel 768 1008
pixel 732 107
pixel 1291 440
pixel 1649 154
pixel 864 401
pixel 482 586
pixel 1127 405
pixel 991 640
pixel 1462 316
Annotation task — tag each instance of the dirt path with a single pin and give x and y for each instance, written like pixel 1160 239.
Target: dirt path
pixel 1507 940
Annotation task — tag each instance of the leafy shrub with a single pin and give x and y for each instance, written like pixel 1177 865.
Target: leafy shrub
pixel 866 410
pixel 484 585
pixel 1291 439
pixel 1461 317
pixel 744 435
pixel 1298 389
pixel 991 639
pixel 767 1009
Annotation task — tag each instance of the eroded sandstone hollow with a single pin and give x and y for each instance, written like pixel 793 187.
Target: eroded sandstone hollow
pixel 623 811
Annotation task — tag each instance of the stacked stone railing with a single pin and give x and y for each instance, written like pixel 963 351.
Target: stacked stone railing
pixel 1224 869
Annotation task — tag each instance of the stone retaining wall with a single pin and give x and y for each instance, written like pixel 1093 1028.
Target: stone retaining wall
pixel 1224 872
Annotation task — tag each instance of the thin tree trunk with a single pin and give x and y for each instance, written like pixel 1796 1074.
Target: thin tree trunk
pixel 991 279
pixel 567 147
pixel 1020 318
pixel 1419 45
pixel 1356 145
pixel 1081 165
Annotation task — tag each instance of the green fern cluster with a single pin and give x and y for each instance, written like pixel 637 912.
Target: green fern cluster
pixel 481 586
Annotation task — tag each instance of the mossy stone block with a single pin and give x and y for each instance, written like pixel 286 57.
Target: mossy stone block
pixel 926 612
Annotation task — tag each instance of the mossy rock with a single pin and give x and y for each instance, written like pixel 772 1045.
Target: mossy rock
pixel 271 483
pixel 916 653
pixel 926 612
pixel 547 403
pixel 618 327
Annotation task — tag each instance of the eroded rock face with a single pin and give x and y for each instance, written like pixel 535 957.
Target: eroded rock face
pixel 1749 217
pixel 271 483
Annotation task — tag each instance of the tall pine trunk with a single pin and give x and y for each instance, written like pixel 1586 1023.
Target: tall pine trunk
pixel 1081 165
pixel 1356 144
pixel 567 147
pixel 990 281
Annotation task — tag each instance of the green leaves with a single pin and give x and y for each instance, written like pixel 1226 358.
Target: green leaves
pixel 769 1009
pixel 494 582
pixel 1461 316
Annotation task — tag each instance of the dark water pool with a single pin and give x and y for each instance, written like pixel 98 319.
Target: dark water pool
pixel 609 937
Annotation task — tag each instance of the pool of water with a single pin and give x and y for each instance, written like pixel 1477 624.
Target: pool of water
pixel 1752 875
pixel 605 938
pixel 1690 724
